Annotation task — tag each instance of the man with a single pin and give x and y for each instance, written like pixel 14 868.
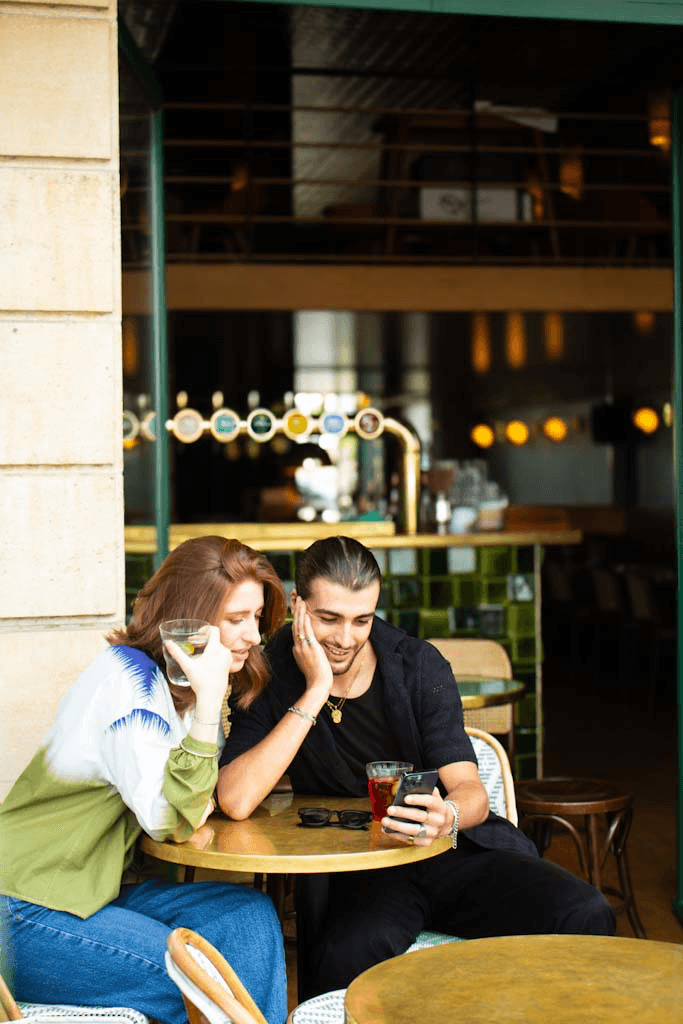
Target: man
pixel 347 689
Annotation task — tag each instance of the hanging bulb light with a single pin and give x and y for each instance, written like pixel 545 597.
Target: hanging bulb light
pixel 555 428
pixel 571 173
pixel 517 432
pixel 482 435
pixel 643 321
pixel 515 340
pixel 659 121
pixel 646 419
pixel 553 335
pixel 480 356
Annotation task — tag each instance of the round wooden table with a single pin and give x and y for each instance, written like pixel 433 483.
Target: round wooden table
pixel 272 842
pixel 525 979
pixel 484 692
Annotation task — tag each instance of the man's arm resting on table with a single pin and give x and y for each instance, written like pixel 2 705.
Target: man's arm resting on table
pixel 246 781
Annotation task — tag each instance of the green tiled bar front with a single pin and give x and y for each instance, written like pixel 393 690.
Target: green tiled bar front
pixel 425 593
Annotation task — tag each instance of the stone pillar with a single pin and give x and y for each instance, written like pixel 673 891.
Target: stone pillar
pixel 61 493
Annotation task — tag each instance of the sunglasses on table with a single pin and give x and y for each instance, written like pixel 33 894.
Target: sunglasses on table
pixel 320 817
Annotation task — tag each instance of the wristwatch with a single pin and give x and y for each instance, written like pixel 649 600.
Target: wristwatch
pixel 456 821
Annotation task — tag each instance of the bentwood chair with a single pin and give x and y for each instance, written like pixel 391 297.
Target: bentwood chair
pixel 213 992
pixel 47 1013
pixel 209 986
pixel 472 656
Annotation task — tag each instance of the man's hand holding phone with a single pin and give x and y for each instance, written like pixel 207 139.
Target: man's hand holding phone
pixel 413 816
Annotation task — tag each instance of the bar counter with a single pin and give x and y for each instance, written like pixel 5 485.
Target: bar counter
pixel 486 583
pixel 298 536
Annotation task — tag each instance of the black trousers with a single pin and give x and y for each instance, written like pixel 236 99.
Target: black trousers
pixel 470 892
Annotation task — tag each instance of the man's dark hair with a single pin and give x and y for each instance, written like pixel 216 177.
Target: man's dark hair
pixel 340 560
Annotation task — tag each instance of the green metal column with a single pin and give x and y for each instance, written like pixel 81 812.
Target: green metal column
pixel 153 96
pixel 162 509
pixel 677 223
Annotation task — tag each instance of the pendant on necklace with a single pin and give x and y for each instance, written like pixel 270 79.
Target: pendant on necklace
pixel 336 716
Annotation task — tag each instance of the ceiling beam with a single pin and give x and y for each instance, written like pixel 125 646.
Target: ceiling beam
pixel 402 288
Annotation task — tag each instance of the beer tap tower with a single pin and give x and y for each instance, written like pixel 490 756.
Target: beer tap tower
pixel 226 425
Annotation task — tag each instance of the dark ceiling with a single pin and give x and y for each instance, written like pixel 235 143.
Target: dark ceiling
pixel 563 64
pixel 208 51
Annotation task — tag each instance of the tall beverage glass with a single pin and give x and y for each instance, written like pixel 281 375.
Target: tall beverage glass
pixel 191 635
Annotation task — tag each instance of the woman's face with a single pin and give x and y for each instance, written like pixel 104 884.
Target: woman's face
pixel 239 620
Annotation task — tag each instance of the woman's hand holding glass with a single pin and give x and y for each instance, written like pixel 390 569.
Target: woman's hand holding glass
pixel 208 674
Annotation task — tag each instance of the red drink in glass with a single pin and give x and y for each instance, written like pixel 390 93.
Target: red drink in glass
pixel 383 780
pixel 382 792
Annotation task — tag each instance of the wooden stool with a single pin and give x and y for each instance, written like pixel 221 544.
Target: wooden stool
pixel 542 802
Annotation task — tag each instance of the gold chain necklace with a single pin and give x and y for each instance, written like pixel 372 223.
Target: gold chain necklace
pixel 336 709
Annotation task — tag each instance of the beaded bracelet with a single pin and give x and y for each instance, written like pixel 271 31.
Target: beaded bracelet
pixel 303 714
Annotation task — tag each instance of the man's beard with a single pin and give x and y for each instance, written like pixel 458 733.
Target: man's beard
pixel 341 668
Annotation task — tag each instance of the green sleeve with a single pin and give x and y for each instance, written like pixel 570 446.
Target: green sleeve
pixel 189 782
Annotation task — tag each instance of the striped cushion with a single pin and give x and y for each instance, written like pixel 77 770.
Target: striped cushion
pixel 45 1013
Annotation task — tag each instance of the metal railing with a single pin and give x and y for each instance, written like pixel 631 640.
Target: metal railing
pixel 378 184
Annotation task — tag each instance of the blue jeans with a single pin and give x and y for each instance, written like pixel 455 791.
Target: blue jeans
pixel 116 956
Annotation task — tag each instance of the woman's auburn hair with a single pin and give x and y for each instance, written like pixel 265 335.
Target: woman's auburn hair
pixel 193 583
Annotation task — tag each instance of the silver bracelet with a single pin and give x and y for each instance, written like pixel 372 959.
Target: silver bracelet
pixel 200 722
pixel 303 714
pixel 196 753
pixel 456 821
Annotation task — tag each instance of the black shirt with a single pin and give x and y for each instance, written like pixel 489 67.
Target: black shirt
pixel 364 734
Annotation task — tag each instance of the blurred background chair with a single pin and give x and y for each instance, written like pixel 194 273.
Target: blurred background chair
pixel 650 635
pixel 471 656
pixel 605 813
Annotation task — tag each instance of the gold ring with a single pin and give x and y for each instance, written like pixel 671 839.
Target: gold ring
pixel 301 636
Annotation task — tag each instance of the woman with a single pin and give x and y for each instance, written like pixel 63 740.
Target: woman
pixel 128 752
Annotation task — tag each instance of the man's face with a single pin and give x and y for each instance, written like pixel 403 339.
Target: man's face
pixel 341 620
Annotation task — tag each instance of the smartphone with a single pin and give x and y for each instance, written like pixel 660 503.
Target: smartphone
pixel 413 782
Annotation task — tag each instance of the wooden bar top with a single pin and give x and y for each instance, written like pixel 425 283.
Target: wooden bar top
pixel 298 536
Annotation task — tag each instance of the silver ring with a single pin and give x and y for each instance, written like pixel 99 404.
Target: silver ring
pixel 421 833
pixel 308 639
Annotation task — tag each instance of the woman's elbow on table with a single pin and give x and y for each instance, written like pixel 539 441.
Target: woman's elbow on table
pixel 232 799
